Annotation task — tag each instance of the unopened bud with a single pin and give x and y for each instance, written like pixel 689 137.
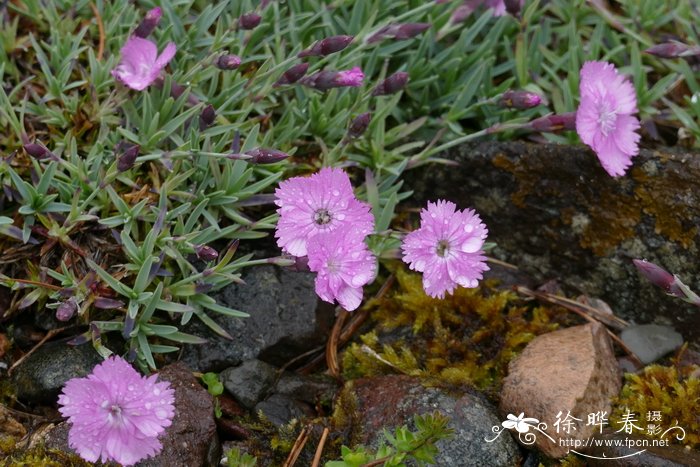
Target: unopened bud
pixel 228 62
pixel 325 80
pixel 149 23
pixel 655 274
pixel 207 117
pixel 66 310
pixel 520 99
pixel 359 125
pixel 673 49
pixel 392 84
pixel 283 261
pixel 38 151
pixel 399 32
pixel 126 155
pixel 249 20
pixel 266 156
pixel 292 75
pixel 555 122
pixel 514 6
pixel 205 253
pixel 326 46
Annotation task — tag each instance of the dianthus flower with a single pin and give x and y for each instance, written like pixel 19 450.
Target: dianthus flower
pixel 344 265
pixel 323 202
pixel 447 248
pixel 327 79
pixel 116 414
pixel 140 63
pixel 604 118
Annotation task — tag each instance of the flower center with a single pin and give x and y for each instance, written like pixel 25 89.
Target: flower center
pixel 442 248
pixel 322 217
pixel 607 119
pixel 114 414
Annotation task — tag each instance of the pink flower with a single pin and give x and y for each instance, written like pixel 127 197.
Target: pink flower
pixel 344 265
pixel 352 77
pixel 323 202
pixel 116 414
pixel 325 80
pixel 604 118
pixel 140 64
pixel 447 248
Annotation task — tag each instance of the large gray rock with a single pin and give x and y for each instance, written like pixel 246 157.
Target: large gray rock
pixel 387 402
pixel 286 319
pixel 41 376
pixel 555 213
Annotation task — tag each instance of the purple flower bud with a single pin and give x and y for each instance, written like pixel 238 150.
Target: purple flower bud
pixel 228 62
pixel 556 122
pixel 398 32
pixel 266 156
pixel 66 310
pixel 519 99
pixel 392 84
pixel 514 6
pixel 292 75
pixel 359 125
pixel 206 253
pixel 462 12
pixel 107 303
pixel 38 151
pixel 149 23
pixel 326 46
pixel 249 20
pixel 283 261
pixel 673 49
pixel 207 117
pixel 201 287
pixel 324 80
pixel 126 154
pixel 655 274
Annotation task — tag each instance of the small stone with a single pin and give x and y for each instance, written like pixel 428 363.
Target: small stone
pixel 650 342
pixel 310 389
pixel 279 409
pixel 41 376
pixel 388 402
pixel 569 371
pixel 250 382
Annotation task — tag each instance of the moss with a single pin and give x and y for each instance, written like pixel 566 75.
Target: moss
pixel 38 456
pixel 467 338
pixel 671 390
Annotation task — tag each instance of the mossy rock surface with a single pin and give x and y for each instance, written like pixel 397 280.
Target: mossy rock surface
pixel 555 213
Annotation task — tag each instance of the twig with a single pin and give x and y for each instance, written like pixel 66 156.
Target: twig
pixel 48 336
pixel 298 446
pixel 332 344
pixel 101 29
pixel 501 263
pixel 319 449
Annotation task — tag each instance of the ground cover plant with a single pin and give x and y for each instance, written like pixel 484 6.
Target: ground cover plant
pixel 144 143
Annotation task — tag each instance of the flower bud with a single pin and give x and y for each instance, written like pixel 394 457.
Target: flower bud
pixel 324 80
pixel 519 99
pixel 205 253
pixel 207 117
pixel 673 49
pixel 266 156
pixel 359 125
pixel 38 151
pixel 655 274
pixel 228 62
pixel 514 6
pixel 149 23
pixel 326 46
pixel 292 75
pixel 392 84
pixel 126 155
pixel 249 20
pixel 555 122
pixel 66 310
pixel 398 32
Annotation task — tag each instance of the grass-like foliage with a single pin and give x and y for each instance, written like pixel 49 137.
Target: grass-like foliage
pixel 122 247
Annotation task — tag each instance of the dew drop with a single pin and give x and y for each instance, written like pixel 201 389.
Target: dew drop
pixel 340 217
pixel 468 228
pixel 130 387
pixel 161 414
pixel 156 391
pixel 148 405
pixel 336 193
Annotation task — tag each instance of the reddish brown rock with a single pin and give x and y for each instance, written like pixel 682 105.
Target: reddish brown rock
pixel 572 371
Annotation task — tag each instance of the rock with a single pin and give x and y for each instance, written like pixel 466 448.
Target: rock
pixel 387 402
pixel 650 342
pixel 280 409
pixel 249 382
pixel 652 456
pixel 41 376
pixel 192 438
pixel 286 319
pixel 555 213
pixel 312 389
pixel 569 371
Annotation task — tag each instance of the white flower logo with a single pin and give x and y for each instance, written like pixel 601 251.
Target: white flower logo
pixel 520 423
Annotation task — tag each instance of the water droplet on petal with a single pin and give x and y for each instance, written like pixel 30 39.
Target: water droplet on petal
pixel 156 391
pixel 468 228
pixel 336 193
pixel 148 405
